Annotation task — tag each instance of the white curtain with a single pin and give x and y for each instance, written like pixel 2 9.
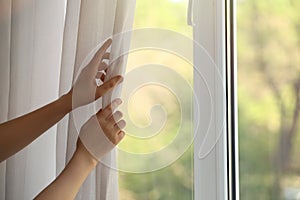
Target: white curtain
pixel 43 44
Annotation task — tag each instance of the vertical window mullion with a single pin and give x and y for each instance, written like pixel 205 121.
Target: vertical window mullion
pixel 209 32
pixel 232 137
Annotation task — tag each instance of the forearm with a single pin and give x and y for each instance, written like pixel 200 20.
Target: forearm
pixel 82 163
pixel 18 133
pixel 68 183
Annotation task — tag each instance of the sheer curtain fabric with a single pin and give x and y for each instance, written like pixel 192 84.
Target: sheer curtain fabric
pixel 43 44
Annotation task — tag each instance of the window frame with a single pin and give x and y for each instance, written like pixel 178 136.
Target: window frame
pixel 216 176
pixel 232 111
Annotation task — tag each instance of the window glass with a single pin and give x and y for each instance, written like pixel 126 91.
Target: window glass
pixel 158 110
pixel 268 40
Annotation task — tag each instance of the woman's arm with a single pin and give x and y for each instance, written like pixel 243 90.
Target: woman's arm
pixel 68 183
pixel 19 132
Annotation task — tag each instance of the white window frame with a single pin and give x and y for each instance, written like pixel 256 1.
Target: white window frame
pixel 216 175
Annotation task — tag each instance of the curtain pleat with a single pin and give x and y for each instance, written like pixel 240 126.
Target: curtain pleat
pixel 106 173
pixel 94 16
pixel 31 66
pixel 88 24
pixel 5 26
pixel 66 76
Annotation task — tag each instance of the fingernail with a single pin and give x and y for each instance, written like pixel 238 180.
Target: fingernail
pixel 117 101
pixel 120 79
pixel 109 40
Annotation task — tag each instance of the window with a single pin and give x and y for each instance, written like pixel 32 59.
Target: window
pixel 268 58
pixel 153 162
pixel 202 171
pixel 246 129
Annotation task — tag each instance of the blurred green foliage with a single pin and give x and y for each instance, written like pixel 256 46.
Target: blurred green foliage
pixel 268 39
pixel 268 36
pixel 176 180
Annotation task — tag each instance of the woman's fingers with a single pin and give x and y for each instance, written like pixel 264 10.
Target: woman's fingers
pixel 117 133
pixel 101 53
pixel 120 136
pixel 106 56
pixel 102 66
pixel 102 70
pixel 102 77
pixel 119 126
pixel 111 123
pixel 107 86
pixel 109 109
pixel 115 117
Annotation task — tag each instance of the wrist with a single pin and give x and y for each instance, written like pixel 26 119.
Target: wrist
pixel 85 155
pixel 66 102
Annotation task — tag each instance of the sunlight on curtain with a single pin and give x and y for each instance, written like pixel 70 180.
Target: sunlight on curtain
pixel 43 44
pixel 30 61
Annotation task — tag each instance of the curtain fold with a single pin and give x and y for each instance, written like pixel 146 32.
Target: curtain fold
pixel 5 19
pixel 106 173
pixel 98 21
pixel 43 44
pixel 31 41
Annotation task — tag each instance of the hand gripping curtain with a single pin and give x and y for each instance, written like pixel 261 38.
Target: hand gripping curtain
pixel 88 24
pixel 43 44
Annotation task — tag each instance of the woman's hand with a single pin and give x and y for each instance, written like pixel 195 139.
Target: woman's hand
pixel 111 122
pixel 103 131
pixel 98 136
pixel 85 89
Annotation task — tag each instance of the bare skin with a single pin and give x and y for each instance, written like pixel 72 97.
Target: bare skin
pixel 18 133
pixel 67 184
